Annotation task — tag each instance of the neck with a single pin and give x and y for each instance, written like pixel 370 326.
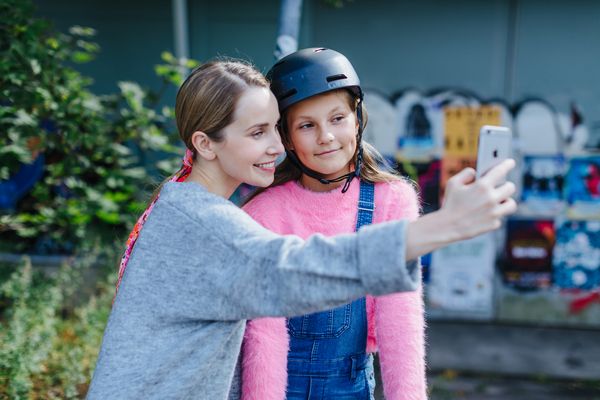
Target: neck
pixel 204 175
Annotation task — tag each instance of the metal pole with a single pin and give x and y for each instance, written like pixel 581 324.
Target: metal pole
pixel 511 49
pixel 180 31
pixel 289 28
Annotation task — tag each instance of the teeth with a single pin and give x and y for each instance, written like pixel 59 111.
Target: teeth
pixel 266 165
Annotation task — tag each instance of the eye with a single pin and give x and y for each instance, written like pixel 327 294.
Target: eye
pixel 305 125
pixel 257 134
pixel 338 118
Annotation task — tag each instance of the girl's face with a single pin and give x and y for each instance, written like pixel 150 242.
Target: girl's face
pixel 322 132
pixel 251 142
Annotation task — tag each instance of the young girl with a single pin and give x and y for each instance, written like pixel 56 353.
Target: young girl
pixel 197 266
pixel 331 184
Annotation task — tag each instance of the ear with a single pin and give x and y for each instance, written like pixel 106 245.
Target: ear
pixel 203 145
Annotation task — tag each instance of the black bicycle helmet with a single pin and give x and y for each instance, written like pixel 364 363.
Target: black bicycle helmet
pixel 310 72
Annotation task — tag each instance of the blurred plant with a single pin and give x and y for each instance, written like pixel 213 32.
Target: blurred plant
pixel 29 324
pixel 72 358
pixel 48 349
pixel 92 183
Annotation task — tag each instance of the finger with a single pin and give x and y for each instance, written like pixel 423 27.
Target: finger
pixel 504 191
pixel 464 177
pixel 506 208
pixel 499 172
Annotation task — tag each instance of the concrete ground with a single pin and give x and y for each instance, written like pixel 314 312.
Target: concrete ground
pixel 450 386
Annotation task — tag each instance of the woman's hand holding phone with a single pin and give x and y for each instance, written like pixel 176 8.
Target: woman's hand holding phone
pixel 471 207
pixel 478 205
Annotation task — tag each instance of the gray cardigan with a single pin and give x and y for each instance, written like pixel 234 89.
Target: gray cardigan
pixel 201 267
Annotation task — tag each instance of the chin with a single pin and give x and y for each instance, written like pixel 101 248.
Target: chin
pixel 260 182
pixel 333 172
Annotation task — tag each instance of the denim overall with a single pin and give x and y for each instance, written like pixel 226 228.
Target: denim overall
pixel 327 357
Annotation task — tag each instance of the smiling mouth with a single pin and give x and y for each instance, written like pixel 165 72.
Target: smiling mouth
pixel 268 165
pixel 327 152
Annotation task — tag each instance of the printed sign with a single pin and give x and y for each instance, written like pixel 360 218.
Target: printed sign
pixel 543 181
pixel 427 175
pixel 576 258
pixel 528 253
pixel 461 278
pixel 461 133
pixel 583 187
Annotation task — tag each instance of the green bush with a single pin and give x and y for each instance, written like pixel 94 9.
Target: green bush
pixel 29 325
pixel 92 189
pixel 48 351
pixel 93 186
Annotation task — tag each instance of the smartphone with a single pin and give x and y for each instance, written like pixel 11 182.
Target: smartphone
pixel 495 146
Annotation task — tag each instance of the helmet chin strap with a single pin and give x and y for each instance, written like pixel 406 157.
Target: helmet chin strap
pixel 349 176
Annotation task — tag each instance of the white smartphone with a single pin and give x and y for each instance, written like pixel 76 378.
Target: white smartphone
pixel 495 146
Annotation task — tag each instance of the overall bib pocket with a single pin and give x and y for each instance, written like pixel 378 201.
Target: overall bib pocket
pixel 321 325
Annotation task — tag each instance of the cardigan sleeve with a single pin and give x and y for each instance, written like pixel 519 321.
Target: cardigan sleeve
pixel 221 265
pixel 399 319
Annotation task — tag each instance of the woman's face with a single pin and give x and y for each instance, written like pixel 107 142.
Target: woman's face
pixel 322 132
pixel 251 142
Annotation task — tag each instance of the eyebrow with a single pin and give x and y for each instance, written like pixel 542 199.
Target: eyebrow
pixel 259 125
pixel 335 110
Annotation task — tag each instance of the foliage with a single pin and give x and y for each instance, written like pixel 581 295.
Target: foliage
pixel 90 193
pixel 48 351
pixel 92 185
pixel 28 331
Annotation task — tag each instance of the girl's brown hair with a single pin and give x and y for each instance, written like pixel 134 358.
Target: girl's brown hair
pixel 374 166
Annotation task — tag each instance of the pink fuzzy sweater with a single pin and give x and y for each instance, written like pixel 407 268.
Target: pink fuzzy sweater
pixel 396 322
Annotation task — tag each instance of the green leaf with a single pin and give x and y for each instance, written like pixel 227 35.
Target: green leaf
pixel 52 43
pixel 88 47
pixel 191 63
pixel 168 57
pixel 108 217
pixel 162 69
pixel 35 66
pixel 82 31
pixel 133 93
pixel 23 118
pixel 81 57
pixel 120 149
pixel 23 154
pixel 93 103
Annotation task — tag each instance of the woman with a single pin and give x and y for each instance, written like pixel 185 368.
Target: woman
pixel 201 266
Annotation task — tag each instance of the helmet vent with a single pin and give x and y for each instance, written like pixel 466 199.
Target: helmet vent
pixel 336 77
pixel 287 94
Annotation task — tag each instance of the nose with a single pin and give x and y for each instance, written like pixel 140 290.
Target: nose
pixel 325 136
pixel 275 147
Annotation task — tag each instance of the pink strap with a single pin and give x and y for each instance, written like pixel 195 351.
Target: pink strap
pixel 179 176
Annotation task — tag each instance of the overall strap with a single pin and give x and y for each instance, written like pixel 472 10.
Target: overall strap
pixel 366 204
